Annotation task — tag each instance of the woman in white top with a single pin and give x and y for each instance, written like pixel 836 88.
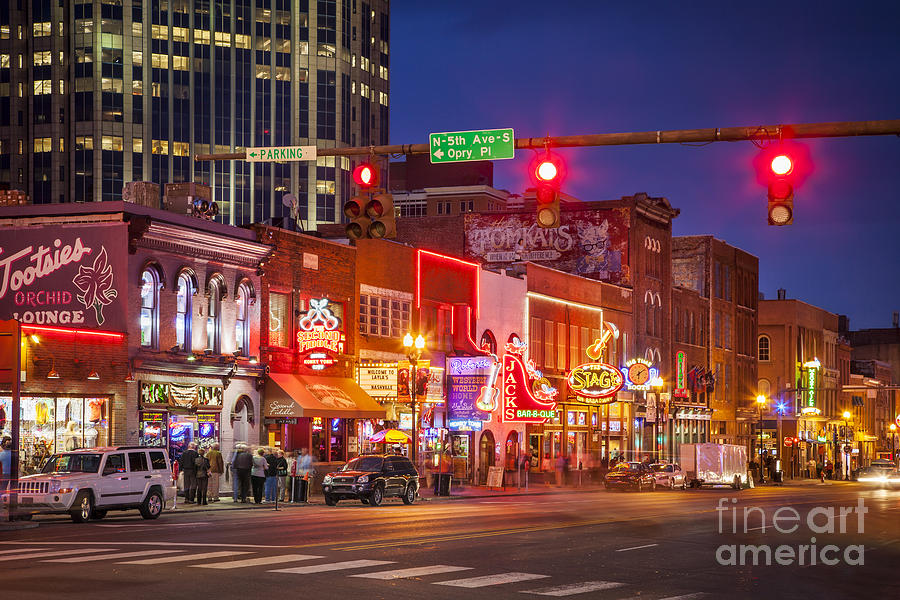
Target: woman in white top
pixel 258 474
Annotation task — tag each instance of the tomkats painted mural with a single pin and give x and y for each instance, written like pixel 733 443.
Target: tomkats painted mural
pixel 71 276
pixel 591 243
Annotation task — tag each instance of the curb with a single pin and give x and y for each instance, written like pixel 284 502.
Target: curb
pixel 18 525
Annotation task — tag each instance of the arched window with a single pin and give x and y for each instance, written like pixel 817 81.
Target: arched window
pixel 764 348
pixel 648 310
pixel 214 317
pixel 488 341
pixel 764 388
pixel 150 308
pixel 183 311
pixel 241 322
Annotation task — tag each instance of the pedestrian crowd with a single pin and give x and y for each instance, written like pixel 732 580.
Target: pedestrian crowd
pixel 261 475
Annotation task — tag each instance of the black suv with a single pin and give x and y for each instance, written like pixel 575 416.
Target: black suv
pixel 372 477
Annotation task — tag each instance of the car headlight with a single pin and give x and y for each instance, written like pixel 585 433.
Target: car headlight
pixel 328 479
pixel 363 479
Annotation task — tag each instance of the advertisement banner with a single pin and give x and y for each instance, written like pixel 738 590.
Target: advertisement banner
pixel 72 276
pixel 404 394
pixel 466 382
pixel 591 243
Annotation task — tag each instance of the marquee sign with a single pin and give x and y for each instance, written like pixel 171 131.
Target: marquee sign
pixel 320 329
pixel 597 382
pixel 639 373
pixel 527 396
pixel 178 395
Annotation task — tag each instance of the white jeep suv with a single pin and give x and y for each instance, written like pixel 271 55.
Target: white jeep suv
pixel 87 483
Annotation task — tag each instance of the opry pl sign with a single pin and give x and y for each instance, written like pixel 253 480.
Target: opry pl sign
pixel 70 276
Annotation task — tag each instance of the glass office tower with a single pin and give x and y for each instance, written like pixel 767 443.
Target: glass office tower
pixel 94 94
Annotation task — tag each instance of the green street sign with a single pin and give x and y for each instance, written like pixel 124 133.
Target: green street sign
pixel 282 154
pixel 462 146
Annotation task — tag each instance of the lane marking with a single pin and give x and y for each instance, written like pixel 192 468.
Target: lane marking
pixel 570 589
pixel 758 528
pixel 79 559
pixel 190 524
pixel 254 562
pixel 636 547
pixel 411 572
pixel 685 596
pixel 181 558
pixel 486 580
pixel 21 550
pixel 57 553
pixel 186 544
pixel 338 566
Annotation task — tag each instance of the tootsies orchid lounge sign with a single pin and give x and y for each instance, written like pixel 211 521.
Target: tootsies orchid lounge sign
pixel 67 276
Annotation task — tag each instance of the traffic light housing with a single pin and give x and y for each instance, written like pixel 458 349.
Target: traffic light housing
pixel 380 211
pixel 365 176
pixel 782 167
pixel 781 191
pixel 547 172
pixel 358 225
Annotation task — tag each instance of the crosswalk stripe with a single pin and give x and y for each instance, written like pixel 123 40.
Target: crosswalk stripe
pixel 255 562
pixel 20 550
pixel 474 582
pixel 338 566
pixel 184 557
pixel 412 572
pixel 570 589
pixel 31 555
pixel 78 559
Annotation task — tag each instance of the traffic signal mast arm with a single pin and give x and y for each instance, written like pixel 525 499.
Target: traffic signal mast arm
pixel 673 136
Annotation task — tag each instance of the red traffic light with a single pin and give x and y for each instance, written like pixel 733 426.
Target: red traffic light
pixel 365 175
pixel 782 165
pixel 547 170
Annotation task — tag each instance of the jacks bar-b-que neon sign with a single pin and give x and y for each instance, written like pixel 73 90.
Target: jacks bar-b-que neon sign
pixel 527 395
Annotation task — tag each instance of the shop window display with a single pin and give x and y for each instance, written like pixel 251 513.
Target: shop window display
pixel 55 424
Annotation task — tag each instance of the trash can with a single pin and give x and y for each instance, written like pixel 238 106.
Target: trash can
pixel 778 477
pixel 300 493
pixel 442 484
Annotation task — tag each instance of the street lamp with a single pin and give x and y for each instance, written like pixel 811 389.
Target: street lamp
pixel 893 429
pixel 760 403
pixel 414 349
pixel 845 469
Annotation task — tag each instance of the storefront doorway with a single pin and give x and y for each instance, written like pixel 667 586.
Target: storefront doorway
pixel 486 455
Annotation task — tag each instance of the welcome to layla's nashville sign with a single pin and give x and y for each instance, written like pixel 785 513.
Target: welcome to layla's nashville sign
pixel 68 276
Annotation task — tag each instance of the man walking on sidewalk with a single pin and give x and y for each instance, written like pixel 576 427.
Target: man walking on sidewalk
pixel 242 464
pixel 216 469
pixel 189 470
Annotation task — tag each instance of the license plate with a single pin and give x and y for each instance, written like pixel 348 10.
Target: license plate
pixel 26 500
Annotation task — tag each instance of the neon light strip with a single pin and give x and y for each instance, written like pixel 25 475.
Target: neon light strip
pixel 87 332
pixel 477 268
pixel 536 295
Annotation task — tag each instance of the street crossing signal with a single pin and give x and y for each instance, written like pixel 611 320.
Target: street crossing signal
pixel 547 172
pixel 380 211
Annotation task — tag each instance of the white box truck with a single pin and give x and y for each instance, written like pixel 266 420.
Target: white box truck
pixel 714 464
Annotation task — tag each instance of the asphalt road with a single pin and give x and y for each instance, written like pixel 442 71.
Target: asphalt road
pixel 576 545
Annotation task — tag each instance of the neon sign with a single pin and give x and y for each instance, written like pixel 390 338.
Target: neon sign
pixel 639 374
pixel 680 376
pixel 317 361
pixel 524 403
pixel 319 329
pixel 812 371
pixel 597 382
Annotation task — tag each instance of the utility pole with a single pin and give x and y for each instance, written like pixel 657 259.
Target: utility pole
pixel 672 136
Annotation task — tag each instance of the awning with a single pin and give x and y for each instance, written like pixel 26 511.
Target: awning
pixel 289 395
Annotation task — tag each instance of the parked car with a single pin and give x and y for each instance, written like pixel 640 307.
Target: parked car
pixel 669 475
pixel 89 482
pixel 372 478
pixel 633 475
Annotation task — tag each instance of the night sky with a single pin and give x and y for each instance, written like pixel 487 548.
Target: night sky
pixel 568 68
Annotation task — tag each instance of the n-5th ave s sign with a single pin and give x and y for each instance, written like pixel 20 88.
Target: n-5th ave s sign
pixel 282 154
pixel 462 146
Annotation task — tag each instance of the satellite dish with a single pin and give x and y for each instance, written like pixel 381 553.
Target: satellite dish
pixel 289 200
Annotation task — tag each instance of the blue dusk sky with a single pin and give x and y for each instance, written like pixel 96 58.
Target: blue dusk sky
pixel 573 67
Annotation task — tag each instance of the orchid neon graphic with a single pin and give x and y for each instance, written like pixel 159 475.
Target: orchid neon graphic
pixel 96 285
